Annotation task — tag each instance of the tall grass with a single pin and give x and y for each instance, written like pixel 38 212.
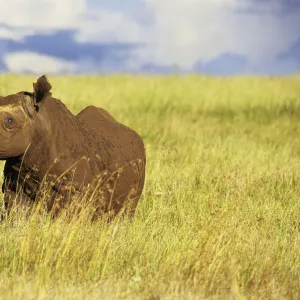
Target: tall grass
pixel 219 218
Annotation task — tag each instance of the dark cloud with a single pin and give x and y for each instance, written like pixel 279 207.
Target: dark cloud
pixel 275 7
pixel 230 64
pixel 154 68
pixel 292 53
pixel 62 45
pixel 110 58
pixel 225 64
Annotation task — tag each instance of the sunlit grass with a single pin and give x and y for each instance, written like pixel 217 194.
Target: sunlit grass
pixel 219 217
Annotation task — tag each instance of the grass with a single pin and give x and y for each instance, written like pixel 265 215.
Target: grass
pixel 219 218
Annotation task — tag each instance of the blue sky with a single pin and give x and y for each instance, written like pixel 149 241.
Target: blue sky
pixel 221 37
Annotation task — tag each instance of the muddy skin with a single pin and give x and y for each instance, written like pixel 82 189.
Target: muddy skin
pixel 91 154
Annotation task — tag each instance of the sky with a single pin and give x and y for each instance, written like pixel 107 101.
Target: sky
pixel 216 37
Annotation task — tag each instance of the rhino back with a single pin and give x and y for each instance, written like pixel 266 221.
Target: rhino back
pixel 118 146
pixel 114 141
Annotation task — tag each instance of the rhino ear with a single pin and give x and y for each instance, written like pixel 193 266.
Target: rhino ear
pixel 28 105
pixel 41 88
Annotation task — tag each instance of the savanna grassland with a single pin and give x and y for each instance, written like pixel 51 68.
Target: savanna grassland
pixel 220 213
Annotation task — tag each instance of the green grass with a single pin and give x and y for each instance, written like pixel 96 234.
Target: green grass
pixel 220 214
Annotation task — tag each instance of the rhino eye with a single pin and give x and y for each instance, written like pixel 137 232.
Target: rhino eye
pixel 9 122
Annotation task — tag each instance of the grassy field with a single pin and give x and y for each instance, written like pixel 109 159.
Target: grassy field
pixel 220 214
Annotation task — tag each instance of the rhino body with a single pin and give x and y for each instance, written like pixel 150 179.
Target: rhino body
pixel 43 143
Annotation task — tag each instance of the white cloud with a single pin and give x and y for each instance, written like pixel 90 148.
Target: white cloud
pixel 42 14
pixel 16 35
pixel 109 26
pixel 183 31
pixel 30 62
pixel 193 30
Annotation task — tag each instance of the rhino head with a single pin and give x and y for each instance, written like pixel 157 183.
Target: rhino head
pixel 19 114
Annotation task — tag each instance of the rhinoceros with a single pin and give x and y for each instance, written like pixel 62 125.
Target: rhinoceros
pixel 42 142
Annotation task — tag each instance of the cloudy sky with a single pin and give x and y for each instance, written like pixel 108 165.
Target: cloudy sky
pixel 152 36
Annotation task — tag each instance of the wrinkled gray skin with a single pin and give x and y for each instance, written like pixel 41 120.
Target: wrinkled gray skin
pixel 40 137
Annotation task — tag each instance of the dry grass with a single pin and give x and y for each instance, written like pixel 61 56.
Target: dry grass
pixel 219 218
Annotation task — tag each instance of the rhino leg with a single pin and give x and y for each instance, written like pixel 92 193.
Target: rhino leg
pixel 14 200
